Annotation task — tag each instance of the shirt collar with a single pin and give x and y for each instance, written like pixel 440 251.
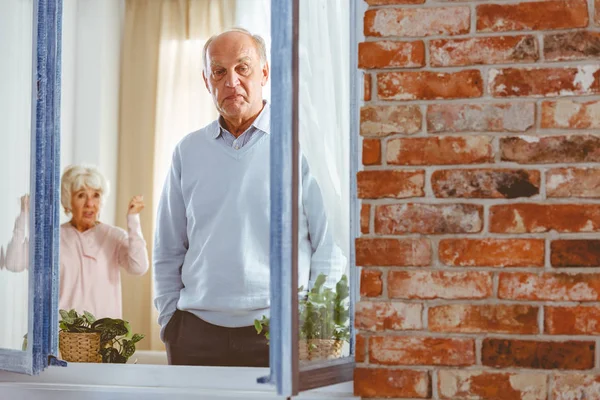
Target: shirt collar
pixel 262 122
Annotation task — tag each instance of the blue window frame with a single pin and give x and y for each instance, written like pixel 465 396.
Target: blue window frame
pixel 43 261
pixel 286 374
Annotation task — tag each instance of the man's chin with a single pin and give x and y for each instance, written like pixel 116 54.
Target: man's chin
pixel 233 109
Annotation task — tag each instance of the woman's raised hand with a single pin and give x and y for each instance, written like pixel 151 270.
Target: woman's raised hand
pixel 136 205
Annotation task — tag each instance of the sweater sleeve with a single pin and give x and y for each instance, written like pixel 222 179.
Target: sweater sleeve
pixel 170 245
pixel 327 257
pixel 17 250
pixel 132 253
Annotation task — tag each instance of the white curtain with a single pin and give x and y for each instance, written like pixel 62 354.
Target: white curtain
pixel 16 44
pixel 324 96
pixel 324 105
pixel 255 16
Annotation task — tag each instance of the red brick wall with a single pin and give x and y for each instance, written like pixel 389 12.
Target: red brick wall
pixel 480 200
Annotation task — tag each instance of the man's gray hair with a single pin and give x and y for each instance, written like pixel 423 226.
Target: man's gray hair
pixel 259 42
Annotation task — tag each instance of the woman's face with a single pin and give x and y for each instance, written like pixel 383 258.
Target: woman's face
pixel 85 205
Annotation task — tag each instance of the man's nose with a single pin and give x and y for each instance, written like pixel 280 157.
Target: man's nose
pixel 232 79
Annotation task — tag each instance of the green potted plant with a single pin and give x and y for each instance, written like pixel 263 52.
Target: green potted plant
pixel 83 338
pixel 323 320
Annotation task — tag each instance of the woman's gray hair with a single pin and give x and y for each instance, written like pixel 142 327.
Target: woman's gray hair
pixel 77 177
pixel 259 42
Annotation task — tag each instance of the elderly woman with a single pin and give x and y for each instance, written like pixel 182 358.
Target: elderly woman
pixel 91 252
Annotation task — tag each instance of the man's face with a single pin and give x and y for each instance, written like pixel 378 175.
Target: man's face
pixel 235 75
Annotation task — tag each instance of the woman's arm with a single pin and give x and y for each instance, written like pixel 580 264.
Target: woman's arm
pixel 132 253
pixel 17 250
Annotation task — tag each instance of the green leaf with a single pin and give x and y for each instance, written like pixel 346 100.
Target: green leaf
pixel 258 326
pixel 63 314
pixel 129 333
pixel 137 337
pixel 110 355
pixel 319 282
pixel 73 314
pixel 128 349
pixel 89 317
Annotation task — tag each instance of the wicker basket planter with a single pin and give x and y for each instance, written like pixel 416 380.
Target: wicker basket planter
pixel 320 349
pixel 79 347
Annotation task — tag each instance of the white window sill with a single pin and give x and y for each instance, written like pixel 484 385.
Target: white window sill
pixel 154 382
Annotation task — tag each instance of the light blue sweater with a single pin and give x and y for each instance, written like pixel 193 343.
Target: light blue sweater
pixel 211 247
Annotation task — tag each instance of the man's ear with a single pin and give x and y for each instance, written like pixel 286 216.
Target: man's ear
pixel 265 74
pixel 205 81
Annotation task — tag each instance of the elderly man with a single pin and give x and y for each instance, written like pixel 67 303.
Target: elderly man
pixel 211 250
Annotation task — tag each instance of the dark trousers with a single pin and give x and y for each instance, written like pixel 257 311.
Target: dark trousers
pixel 192 341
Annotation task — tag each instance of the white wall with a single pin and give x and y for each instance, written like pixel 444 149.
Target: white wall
pixel 90 89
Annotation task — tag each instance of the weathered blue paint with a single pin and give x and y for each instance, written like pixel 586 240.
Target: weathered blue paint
pixel 44 195
pixel 354 159
pixel 282 199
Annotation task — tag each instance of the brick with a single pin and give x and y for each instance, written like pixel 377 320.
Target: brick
pixel 501 353
pixel 367 83
pixel 393 219
pixel 537 218
pixel 360 351
pixel 392 316
pixel 578 45
pixel 484 385
pixel 387 383
pixel 371 154
pixel 390 2
pixel 549 286
pixel 550 149
pixel 380 121
pixel 371 284
pixel 532 16
pixel 393 252
pixel 365 217
pixel 429 85
pixel 576 386
pixel 575 253
pixel 447 150
pixel 487 50
pixel 486 183
pixel 492 252
pixel 390 184
pixel 466 318
pixel 573 182
pixel 497 117
pixel 569 114
pixel 578 320
pixel 391 54
pixel 439 285
pixel 543 82
pixel 415 22
pixel 391 350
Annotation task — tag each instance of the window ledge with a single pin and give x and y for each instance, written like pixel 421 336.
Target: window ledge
pixel 155 381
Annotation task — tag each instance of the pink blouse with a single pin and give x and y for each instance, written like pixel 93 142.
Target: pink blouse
pixel 90 264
